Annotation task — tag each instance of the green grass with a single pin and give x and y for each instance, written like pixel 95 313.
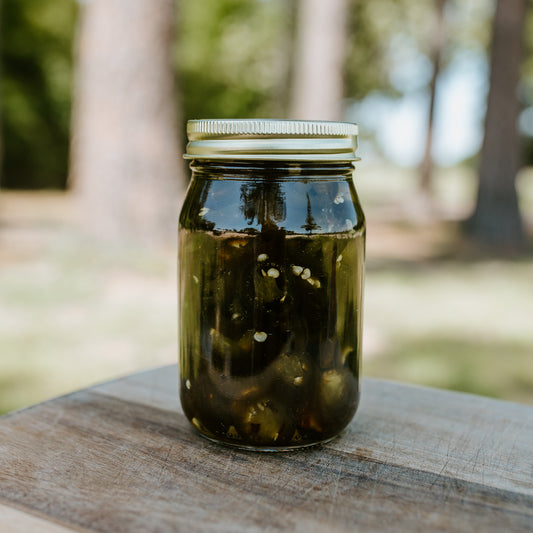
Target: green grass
pixel 454 325
pixel 74 315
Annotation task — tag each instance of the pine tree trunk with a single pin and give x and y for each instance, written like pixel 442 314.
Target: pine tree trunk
pixel 1 103
pixel 126 165
pixel 437 45
pixel 496 221
pixel 318 85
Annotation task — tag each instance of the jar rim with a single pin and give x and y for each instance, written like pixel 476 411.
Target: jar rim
pixel 272 139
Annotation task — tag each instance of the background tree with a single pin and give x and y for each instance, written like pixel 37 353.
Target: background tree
pixel 367 57
pixel 436 49
pixel 320 52
pixel 35 90
pixel 233 58
pixel 387 55
pixel 496 221
pixel 1 135
pixel 126 157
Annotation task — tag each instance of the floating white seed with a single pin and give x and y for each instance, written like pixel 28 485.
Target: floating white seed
pixel 282 299
pixel 339 199
pixel 260 336
pixel 203 211
pixel 273 273
pixel 234 316
pixel 298 380
pixel 297 270
pixel 262 257
pixel 306 274
pixel 263 273
pixel 188 384
pixel 195 278
pixel 339 259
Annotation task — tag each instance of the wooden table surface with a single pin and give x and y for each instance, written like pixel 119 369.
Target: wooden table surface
pixel 122 457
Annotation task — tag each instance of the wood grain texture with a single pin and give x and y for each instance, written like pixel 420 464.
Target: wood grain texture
pixel 122 457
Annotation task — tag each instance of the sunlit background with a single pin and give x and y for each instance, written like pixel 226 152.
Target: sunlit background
pixel 93 104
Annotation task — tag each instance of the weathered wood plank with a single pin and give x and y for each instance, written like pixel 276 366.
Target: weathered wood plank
pixel 15 521
pixel 462 435
pixel 156 388
pixel 122 457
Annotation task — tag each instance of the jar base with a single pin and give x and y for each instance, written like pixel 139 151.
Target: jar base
pixel 265 449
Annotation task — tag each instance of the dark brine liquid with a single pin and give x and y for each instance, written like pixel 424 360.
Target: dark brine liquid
pixel 270 335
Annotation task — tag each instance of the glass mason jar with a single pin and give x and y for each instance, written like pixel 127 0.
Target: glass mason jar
pixel 271 264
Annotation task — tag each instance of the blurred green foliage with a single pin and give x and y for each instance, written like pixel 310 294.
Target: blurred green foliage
pixel 35 91
pixel 233 57
pixel 374 28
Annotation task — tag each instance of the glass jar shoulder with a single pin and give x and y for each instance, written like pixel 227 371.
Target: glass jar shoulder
pixel 249 203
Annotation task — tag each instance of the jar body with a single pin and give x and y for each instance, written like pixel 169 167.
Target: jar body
pixel 271 282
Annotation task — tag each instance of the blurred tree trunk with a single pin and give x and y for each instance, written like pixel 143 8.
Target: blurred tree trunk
pixel 125 153
pixel 318 85
pixel 282 97
pixel 496 221
pixel 437 45
pixel 1 74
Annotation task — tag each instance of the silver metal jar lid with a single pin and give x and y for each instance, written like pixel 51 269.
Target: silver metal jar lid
pixel 265 139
